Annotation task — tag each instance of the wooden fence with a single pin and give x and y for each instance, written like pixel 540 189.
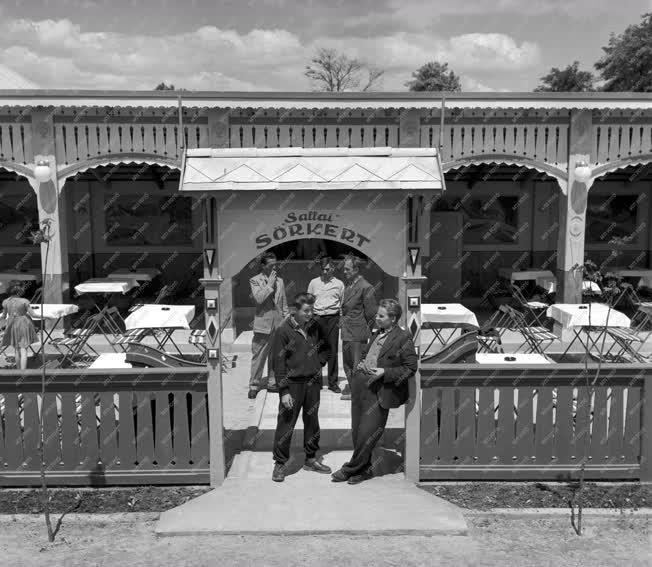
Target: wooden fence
pixel 127 427
pixel 531 422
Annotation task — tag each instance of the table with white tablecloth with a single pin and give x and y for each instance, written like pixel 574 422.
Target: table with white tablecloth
pixel 104 287
pixel 141 274
pixel 439 316
pixel 524 275
pixel 587 318
pixel 587 287
pixel 161 321
pixel 52 311
pixel 511 358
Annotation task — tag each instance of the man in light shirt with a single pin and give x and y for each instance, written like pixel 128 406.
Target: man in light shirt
pixel 328 291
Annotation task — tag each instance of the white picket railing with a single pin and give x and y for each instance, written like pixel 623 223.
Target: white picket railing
pixel 547 143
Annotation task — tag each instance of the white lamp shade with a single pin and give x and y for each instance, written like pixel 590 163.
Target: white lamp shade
pixel 582 172
pixel 42 172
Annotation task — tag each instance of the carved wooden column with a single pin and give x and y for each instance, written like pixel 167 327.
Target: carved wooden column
pixel 572 211
pixel 218 137
pixel 410 295
pixel 211 282
pixel 51 205
pixel 411 303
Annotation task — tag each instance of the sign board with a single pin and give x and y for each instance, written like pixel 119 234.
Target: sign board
pixel 378 234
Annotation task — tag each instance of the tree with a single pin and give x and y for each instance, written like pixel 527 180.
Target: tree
pixel 331 71
pixel 44 236
pixel 434 76
pixel 627 61
pixel 570 79
pixel 164 87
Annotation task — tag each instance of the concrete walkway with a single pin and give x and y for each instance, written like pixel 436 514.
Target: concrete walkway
pixel 308 503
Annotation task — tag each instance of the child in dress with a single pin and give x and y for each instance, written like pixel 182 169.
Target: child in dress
pixel 19 330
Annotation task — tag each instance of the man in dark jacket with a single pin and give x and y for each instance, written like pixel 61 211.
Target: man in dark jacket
pixel 300 350
pixel 380 382
pixel 358 312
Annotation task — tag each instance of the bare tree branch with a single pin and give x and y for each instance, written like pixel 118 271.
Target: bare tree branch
pixel 331 71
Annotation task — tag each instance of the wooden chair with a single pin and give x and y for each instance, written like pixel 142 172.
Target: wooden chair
pixel 534 336
pixel 75 343
pixel 535 311
pixel 461 350
pixel 489 335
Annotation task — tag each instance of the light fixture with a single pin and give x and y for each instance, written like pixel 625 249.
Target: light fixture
pixel 42 171
pixel 582 171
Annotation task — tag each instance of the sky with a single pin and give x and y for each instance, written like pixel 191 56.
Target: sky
pixel 494 45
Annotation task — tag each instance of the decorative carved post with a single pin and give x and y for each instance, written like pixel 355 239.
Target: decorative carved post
pixel 218 137
pixel 411 303
pixel 51 204
pixel 211 282
pixel 410 295
pixel 572 210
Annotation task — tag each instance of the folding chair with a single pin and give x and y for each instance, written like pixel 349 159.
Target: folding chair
pixel 490 334
pixel 535 310
pixel 197 338
pixel 131 336
pixel 534 336
pixel 624 338
pixel 75 344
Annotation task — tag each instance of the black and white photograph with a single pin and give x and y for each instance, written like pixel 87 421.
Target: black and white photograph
pixel 311 282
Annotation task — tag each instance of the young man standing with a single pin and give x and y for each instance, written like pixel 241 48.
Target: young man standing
pixel 299 352
pixel 268 292
pixel 358 312
pixel 328 291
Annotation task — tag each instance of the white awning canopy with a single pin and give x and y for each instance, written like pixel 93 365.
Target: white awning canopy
pixel 319 169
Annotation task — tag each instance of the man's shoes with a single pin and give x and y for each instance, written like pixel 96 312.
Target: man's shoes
pixel 358 478
pixel 279 473
pixel 335 389
pixel 252 394
pixel 315 466
pixel 339 476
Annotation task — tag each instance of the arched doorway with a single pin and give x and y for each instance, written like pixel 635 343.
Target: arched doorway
pixel 299 261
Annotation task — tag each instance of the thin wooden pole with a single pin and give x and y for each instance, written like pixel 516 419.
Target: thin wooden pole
pixel 182 136
pixel 441 123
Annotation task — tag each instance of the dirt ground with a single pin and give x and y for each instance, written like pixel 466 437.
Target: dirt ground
pixel 493 540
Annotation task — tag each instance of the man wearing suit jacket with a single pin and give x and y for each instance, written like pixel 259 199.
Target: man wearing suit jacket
pixel 268 291
pixel 358 311
pixel 379 383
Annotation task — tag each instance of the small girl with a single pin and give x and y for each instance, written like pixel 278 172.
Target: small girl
pixel 20 331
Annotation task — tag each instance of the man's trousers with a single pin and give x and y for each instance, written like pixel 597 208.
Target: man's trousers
pixel 368 421
pixel 261 347
pixel 305 396
pixel 329 325
pixel 351 355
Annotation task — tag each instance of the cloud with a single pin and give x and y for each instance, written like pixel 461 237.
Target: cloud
pixel 60 54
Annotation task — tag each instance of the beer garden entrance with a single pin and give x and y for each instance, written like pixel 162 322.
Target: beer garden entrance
pixel 374 200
